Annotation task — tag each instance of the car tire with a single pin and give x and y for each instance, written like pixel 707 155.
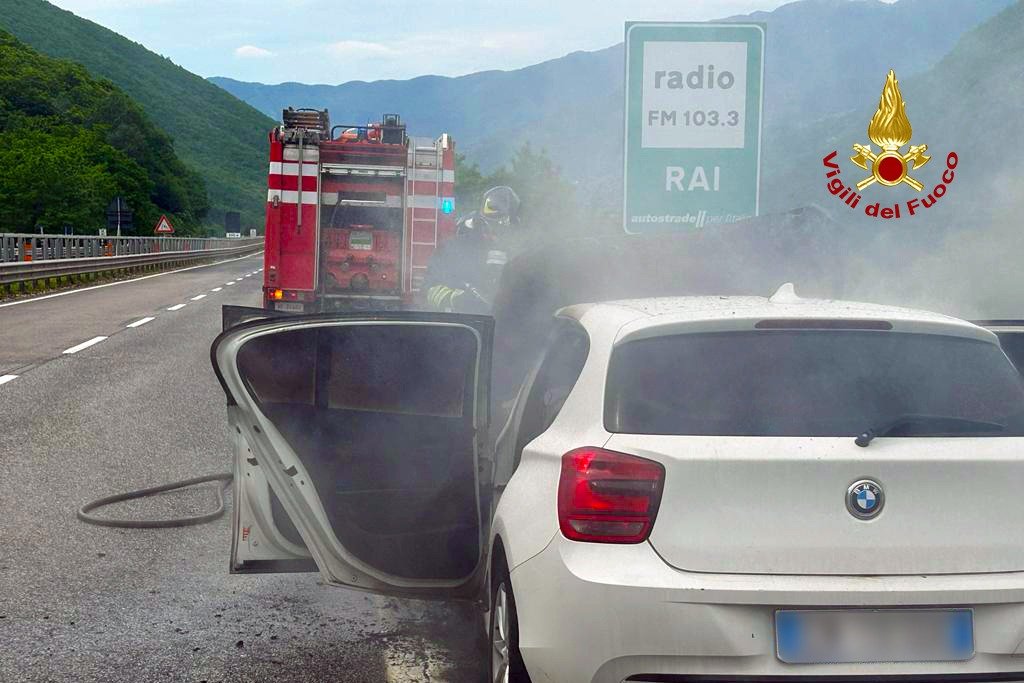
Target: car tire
pixel 506 662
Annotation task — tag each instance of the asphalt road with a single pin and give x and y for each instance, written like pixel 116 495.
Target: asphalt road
pixel 140 407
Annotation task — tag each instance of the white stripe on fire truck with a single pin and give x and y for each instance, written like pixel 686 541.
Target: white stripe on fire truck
pixel 392 201
pixel 290 168
pixel 292 197
pixel 419 201
pixel 430 175
pixel 311 169
pixel 308 154
pixel 427 201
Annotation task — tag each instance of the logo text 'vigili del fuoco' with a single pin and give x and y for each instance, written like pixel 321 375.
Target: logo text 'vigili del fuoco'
pixel 890 166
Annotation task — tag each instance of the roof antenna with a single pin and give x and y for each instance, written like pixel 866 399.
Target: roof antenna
pixel 786 294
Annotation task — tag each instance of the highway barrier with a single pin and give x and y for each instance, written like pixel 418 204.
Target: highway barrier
pixel 44 258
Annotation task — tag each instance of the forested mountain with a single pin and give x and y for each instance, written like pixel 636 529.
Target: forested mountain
pixel 70 143
pixel 963 255
pixel 216 134
pixel 968 103
pixel 823 57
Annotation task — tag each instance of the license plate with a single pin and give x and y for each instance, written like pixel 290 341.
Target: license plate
pixel 288 306
pixel 863 636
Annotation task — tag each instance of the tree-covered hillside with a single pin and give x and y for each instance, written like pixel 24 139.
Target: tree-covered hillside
pixel 70 143
pixel 822 58
pixel 221 137
pixel 969 103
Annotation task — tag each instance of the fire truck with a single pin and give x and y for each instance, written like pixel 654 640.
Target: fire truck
pixel 354 213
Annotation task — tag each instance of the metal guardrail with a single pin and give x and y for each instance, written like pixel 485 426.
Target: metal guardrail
pixel 37 257
pixel 27 247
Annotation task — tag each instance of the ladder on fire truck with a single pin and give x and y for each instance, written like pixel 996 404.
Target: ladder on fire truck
pixel 426 168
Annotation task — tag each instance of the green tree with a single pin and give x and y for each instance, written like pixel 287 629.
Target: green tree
pixel 70 143
pixel 549 200
pixel 470 184
pixel 64 176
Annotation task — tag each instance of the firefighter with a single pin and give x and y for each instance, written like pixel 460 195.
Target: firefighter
pixel 464 272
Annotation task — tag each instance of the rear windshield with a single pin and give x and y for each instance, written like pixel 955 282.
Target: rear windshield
pixel 806 383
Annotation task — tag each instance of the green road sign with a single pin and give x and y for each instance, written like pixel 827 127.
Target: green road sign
pixel 693 124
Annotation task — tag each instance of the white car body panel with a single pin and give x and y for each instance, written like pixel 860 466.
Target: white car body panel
pixel 526 527
pixel 656 317
pixel 721 510
pixel 776 505
pixel 256 538
pixel 599 613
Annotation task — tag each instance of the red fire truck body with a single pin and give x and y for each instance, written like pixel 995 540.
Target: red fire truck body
pixel 354 213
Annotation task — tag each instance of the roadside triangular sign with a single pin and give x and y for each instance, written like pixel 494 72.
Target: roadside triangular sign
pixel 163 226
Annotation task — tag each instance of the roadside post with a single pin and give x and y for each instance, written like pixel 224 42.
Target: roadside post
pixel 119 216
pixel 693 107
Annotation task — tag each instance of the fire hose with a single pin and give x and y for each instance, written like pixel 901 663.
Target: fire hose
pixel 224 477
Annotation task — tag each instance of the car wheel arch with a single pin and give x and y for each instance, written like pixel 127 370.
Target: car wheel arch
pixel 497 564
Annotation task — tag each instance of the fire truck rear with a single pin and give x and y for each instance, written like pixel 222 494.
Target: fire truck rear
pixel 354 213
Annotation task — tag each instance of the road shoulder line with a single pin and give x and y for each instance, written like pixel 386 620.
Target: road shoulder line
pixel 123 282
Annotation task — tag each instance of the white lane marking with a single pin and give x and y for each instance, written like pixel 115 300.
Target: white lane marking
pixel 176 307
pixel 84 345
pixel 230 283
pixel 247 275
pixel 4 379
pixel 123 282
pixel 197 297
pixel 216 289
pixel 141 321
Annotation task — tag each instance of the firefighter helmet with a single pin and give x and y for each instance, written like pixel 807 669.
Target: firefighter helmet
pixel 501 205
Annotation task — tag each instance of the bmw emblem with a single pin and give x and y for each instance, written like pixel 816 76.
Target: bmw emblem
pixel 864 499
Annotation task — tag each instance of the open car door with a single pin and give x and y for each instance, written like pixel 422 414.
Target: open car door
pixel 260 542
pixel 362 446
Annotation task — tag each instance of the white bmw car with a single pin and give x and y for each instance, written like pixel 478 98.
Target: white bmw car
pixel 687 490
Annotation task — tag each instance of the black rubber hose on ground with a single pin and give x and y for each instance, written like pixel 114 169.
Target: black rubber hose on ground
pixel 224 477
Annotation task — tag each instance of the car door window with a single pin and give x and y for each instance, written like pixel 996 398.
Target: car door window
pixel 563 362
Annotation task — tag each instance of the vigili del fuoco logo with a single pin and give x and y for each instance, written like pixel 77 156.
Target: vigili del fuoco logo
pixel 890 131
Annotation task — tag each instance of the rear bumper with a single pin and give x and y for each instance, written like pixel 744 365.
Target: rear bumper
pixel 591 613
pixel 980 678
pixel 361 302
pixel 311 302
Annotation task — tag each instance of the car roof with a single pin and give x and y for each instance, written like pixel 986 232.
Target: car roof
pixel 635 318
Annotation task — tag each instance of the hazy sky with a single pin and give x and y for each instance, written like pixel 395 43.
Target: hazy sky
pixel 329 41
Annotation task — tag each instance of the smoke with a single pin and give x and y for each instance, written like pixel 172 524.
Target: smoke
pixel 964 260
pixel 749 258
pixel 968 265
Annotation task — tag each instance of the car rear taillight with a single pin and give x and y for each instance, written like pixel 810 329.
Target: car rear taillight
pixel 608 497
